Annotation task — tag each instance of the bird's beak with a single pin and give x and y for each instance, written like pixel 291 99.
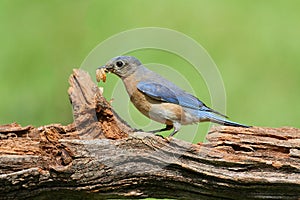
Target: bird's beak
pixel 107 68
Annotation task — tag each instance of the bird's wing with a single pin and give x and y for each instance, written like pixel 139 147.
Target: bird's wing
pixel 173 95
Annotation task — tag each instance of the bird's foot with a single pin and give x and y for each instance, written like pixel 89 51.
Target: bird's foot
pixel 159 135
pixel 167 128
pixel 168 139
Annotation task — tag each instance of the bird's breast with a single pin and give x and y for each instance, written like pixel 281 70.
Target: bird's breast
pixel 162 112
pixel 142 102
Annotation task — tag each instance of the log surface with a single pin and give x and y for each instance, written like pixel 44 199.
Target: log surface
pixel 100 157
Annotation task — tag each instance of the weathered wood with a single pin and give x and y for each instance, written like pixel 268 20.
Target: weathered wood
pixel 99 156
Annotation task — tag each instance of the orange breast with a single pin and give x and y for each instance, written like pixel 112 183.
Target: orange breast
pixel 162 112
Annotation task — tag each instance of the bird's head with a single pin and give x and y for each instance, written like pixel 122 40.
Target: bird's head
pixel 122 66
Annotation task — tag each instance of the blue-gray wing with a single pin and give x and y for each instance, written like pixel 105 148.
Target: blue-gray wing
pixel 171 95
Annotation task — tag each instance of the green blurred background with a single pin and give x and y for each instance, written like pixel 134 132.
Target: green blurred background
pixel 255 44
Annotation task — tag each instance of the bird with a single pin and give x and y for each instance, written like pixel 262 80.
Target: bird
pixel 161 100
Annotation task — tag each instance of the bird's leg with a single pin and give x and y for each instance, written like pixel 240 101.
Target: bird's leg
pixel 168 127
pixel 173 133
pixel 176 129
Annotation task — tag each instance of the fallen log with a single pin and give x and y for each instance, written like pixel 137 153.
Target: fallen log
pixel 99 156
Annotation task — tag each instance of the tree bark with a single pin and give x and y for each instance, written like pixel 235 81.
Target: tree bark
pixel 99 156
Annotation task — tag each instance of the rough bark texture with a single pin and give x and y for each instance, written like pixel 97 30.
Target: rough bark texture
pixel 99 156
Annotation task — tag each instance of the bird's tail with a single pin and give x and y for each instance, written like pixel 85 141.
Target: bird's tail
pixel 213 117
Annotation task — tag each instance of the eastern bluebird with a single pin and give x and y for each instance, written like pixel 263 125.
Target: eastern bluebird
pixel 160 99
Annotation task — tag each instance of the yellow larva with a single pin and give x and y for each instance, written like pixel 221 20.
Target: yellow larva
pixel 100 75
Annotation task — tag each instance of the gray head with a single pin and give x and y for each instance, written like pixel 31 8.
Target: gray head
pixel 122 66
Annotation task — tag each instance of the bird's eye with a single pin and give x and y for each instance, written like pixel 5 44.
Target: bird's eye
pixel 120 63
